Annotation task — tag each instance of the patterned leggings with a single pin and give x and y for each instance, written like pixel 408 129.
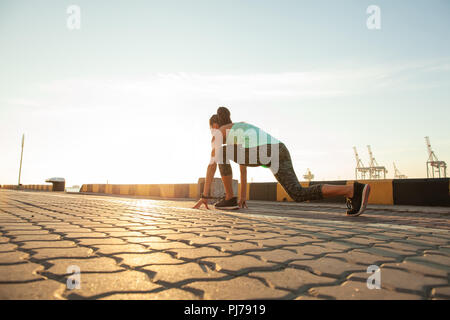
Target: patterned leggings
pixel 284 172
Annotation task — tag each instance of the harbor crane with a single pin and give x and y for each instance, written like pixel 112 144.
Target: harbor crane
pixel 435 168
pixel 375 169
pixel 397 174
pixel 360 169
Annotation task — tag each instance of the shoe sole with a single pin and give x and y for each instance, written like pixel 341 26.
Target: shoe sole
pixel 365 199
pixel 227 208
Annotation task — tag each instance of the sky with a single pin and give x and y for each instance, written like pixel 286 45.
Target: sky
pixel 127 97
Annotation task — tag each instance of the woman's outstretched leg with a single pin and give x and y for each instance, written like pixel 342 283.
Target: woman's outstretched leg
pixel 329 190
pixel 288 179
pixel 286 176
pixel 357 194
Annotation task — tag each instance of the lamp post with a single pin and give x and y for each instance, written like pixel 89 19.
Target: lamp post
pixel 21 156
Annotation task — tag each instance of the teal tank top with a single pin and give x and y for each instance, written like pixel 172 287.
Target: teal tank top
pixel 249 136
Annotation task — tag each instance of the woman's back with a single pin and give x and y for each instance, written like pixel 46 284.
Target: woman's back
pixel 249 136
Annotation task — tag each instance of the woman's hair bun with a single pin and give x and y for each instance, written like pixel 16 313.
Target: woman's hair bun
pixel 224 116
pixel 223 112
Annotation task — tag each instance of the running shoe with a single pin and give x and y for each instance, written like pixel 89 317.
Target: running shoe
pixel 227 204
pixel 217 200
pixel 358 203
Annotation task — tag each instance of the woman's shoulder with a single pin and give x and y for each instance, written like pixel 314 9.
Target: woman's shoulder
pixel 227 126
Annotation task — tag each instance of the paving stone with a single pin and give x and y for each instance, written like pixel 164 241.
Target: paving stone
pixel 79 235
pixel 105 284
pixel 45 237
pixel 361 240
pixel 37 290
pixel 47 244
pixel 197 240
pixel 278 255
pixel 21 227
pixel 327 266
pixel 240 288
pixel 92 264
pixel 361 258
pixel 311 250
pixel 343 233
pixel 159 232
pixel 337 246
pixel 240 237
pixel 7 247
pixel 291 279
pixel 168 245
pixel 143 239
pixel 417 268
pixel 3 240
pixel 23 272
pixel 237 264
pixel 168 294
pixel 394 279
pixel 382 252
pixel 437 258
pixel 143 228
pixel 191 270
pixel 195 230
pixel 426 262
pixel 394 235
pixel 429 240
pixel 295 239
pixel 268 243
pixel 308 297
pixel 440 251
pixel 148 258
pixel 49 253
pixel 13 257
pixel 289 233
pixel 354 290
pixel 26 232
pixel 197 253
pixel 111 249
pixel 398 248
pixel 233 247
pixel 95 241
pixel 441 292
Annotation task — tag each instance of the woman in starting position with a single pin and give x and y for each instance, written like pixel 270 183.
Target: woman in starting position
pixel 249 146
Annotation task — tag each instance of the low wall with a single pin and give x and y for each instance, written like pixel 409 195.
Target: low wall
pixel 34 187
pixel 151 190
pixel 424 192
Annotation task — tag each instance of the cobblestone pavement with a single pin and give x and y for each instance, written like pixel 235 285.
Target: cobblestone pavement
pixel 129 248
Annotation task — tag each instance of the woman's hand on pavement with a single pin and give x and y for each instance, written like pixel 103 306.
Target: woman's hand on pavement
pixel 242 204
pixel 200 202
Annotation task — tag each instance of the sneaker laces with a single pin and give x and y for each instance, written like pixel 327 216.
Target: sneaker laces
pixel 219 199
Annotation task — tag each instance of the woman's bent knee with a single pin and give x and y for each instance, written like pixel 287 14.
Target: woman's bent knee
pixel 313 192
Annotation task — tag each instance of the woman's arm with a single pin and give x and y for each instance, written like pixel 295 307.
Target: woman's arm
pixel 243 195
pixel 210 171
